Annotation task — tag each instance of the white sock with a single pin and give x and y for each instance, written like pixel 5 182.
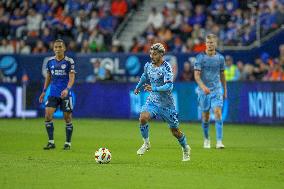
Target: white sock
pixel 51 141
pixel 146 140
pixel 69 143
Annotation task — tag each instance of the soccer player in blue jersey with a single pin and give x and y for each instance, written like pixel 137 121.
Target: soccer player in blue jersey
pixel 60 76
pixel 158 80
pixel 212 89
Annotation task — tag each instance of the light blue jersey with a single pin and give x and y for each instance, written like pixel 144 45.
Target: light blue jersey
pixel 210 67
pixel 160 102
pixel 158 76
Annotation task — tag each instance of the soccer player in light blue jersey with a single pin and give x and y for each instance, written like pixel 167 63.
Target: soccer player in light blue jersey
pixel 158 80
pixel 212 88
pixel 60 76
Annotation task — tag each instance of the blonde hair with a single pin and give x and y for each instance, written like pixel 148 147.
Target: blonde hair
pixel 159 48
pixel 211 36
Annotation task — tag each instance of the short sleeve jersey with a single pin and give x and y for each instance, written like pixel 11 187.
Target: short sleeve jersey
pixel 158 76
pixel 210 67
pixel 59 71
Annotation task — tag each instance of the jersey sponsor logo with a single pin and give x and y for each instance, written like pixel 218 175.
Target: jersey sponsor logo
pixel 63 66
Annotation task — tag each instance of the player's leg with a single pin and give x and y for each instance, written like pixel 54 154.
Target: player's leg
pixel 148 111
pixel 144 127
pixel 217 104
pixel 144 130
pixel 51 105
pixel 205 127
pixel 68 130
pixel 219 127
pixel 67 107
pixel 171 117
pixel 204 104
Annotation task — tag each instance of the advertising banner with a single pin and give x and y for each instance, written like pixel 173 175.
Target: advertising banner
pixel 247 102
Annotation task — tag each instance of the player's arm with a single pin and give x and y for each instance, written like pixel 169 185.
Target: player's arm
pixel 46 84
pixel 143 79
pixel 224 83
pixel 168 80
pixel 71 81
pixel 166 87
pixel 197 75
pixel 222 76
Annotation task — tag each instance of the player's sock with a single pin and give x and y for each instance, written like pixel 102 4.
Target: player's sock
pixel 219 129
pixel 69 131
pixel 144 129
pixel 50 129
pixel 205 127
pixel 182 141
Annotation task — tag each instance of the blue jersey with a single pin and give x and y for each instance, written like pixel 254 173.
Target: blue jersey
pixel 59 71
pixel 210 67
pixel 158 76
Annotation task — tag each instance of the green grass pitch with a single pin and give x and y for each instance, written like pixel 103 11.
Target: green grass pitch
pixel 253 158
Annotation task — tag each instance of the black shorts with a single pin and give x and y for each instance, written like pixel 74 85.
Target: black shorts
pixel 65 104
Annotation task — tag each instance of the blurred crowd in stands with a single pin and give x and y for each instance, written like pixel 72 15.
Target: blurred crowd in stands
pixel 183 25
pixel 30 26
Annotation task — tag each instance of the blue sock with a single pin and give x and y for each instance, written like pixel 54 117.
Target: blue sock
pixel 69 131
pixel 219 129
pixel 182 141
pixel 49 128
pixel 144 129
pixel 205 127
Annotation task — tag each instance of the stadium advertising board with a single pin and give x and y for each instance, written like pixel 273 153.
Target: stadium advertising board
pixel 12 102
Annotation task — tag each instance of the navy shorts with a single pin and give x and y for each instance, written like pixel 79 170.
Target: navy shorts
pixel 65 104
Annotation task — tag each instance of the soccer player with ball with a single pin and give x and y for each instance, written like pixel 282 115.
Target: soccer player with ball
pixel 158 80
pixel 212 88
pixel 60 76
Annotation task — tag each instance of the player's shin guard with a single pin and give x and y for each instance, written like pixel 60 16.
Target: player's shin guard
pixel 205 127
pixel 144 129
pixel 219 129
pixel 69 131
pixel 182 141
pixel 50 129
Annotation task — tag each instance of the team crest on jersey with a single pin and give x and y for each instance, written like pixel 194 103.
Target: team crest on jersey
pixel 63 66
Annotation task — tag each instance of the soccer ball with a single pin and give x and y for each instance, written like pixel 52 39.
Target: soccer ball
pixel 103 156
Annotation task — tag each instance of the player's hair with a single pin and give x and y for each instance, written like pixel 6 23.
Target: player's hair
pixel 60 41
pixel 159 48
pixel 211 36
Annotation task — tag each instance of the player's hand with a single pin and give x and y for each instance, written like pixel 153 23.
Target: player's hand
pixel 41 97
pixel 148 88
pixel 206 90
pixel 136 91
pixel 64 93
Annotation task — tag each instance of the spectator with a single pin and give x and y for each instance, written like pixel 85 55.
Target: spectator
pixel 155 18
pixel 4 22
pixel 260 69
pixel 23 48
pixel 17 23
pixel 6 47
pixel 116 47
pixel 85 47
pixel 276 73
pixel 187 72
pixel 39 48
pixel 33 23
pixel 119 9
pixel 231 70
pixel 242 75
